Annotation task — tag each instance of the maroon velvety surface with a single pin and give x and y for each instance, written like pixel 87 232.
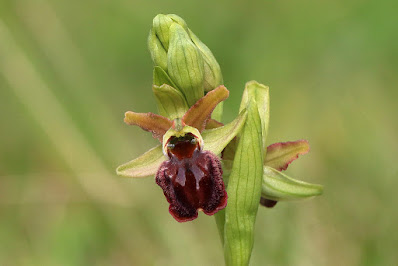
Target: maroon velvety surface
pixel 191 180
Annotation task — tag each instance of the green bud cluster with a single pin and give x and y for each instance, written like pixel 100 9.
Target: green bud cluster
pixel 181 60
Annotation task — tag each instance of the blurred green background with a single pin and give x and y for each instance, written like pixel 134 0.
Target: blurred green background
pixel 70 69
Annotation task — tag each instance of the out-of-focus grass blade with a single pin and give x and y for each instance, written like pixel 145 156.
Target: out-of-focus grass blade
pixel 44 107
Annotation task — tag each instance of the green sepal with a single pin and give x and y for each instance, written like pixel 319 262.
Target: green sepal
pixel 215 140
pixel 170 101
pixel 278 186
pixel 143 166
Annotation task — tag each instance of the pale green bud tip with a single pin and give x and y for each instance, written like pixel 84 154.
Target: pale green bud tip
pixel 212 75
pixel 161 27
pixel 158 52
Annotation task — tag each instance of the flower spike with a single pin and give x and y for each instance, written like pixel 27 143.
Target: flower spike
pixel 198 153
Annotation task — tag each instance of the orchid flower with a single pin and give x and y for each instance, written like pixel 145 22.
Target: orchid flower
pixel 186 164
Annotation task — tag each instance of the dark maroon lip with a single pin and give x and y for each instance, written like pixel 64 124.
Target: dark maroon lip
pixel 191 181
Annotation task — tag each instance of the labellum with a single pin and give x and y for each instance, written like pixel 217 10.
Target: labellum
pixel 191 178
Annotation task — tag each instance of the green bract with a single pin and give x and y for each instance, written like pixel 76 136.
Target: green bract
pixel 170 101
pixel 258 93
pixel 244 185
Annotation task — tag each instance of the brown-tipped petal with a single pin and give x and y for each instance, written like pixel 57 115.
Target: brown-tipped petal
pixel 281 154
pixel 156 124
pixel 200 112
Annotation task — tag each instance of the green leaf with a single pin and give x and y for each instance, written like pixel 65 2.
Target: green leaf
pixel 216 139
pixel 160 77
pixel 170 101
pixel 200 112
pixel 281 154
pixel 259 93
pixel 156 124
pixel 145 165
pixel 278 186
pixel 244 189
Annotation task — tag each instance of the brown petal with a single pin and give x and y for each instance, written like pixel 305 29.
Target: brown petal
pixel 156 124
pixel 200 112
pixel 211 123
pixel 281 154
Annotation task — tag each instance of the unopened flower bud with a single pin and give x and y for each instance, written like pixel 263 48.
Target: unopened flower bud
pixel 185 64
pixel 187 61
pixel 277 186
pixel 213 76
pixel 158 52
